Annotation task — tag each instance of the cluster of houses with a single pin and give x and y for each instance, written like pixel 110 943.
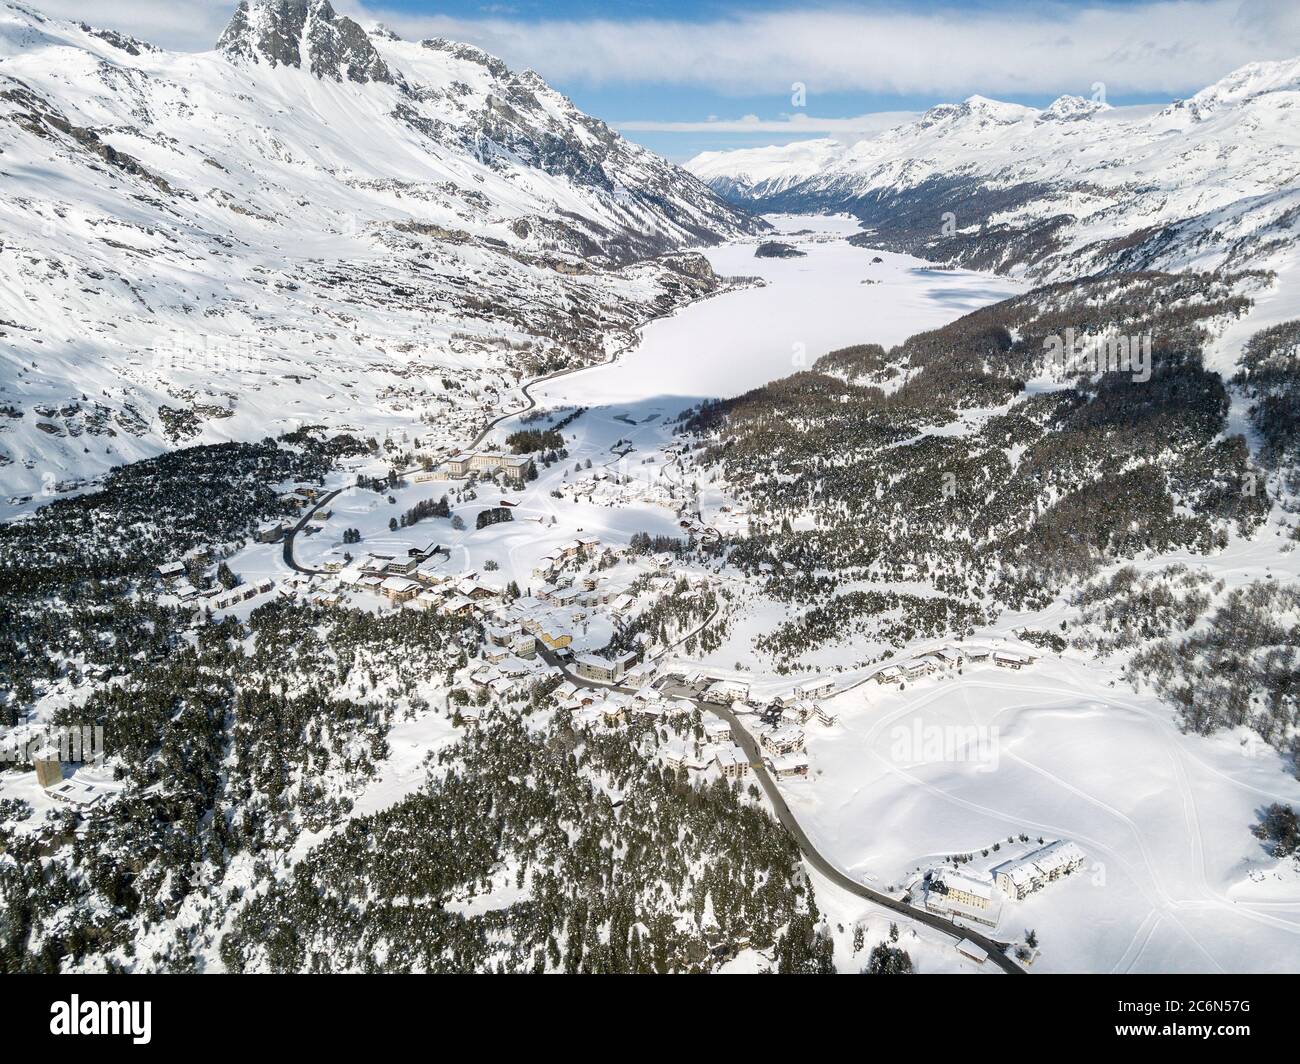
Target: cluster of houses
pixel 609 488
pixel 176 583
pixel 242 593
pixel 975 895
pixel 550 564
pixel 949 659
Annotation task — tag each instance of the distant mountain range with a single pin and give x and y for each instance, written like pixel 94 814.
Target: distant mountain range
pixel 1075 189
pixel 312 222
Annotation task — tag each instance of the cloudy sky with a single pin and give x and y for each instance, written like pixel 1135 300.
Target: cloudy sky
pixel 689 75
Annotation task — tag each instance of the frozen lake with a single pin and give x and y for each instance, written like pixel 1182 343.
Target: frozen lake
pixel 731 343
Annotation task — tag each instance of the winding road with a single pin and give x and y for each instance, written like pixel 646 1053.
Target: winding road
pixel 811 854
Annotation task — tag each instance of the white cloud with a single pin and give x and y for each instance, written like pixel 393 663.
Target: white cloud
pixel 1170 46
pixel 183 25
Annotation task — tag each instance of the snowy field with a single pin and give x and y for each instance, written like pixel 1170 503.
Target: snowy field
pixel 1174 881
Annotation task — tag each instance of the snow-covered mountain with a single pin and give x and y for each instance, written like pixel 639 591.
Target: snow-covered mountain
pixel 314 223
pixel 1063 192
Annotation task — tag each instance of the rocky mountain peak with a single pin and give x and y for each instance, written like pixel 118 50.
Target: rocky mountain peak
pixel 303 32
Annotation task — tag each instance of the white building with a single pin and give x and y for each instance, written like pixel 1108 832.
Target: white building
pixel 786 765
pixel 732 762
pixel 1022 876
pixel 604 670
pixel 786 740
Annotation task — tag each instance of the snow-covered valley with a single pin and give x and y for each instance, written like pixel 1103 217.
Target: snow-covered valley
pixel 468 543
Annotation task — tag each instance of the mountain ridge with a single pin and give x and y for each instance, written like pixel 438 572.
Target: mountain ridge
pixel 1063 192
pixel 202 247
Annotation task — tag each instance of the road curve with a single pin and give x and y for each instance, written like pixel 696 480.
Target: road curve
pixel 841 879
pixel 289 536
pixel 806 847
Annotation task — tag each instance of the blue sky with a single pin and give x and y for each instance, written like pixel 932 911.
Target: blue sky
pixel 683 77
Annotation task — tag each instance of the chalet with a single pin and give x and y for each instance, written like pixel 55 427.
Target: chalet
pixel 472 589
pixel 1006 659
pixel 724 692
pixel 171 570
pixel 717 731
pixel 949 657
pixel 675 755
pixel 978 655
pixel 638 676
pixel 459 606
pixel 786 765
pixel 399 589
pixel 826 716
pixel 732 762
pixel 503 686
pixel 429 572
pixel 819 688
pixel 376 564
pixel 785 740
pixel 917 668
pixel 550 635
pixel 402 566
pixel 501 635
pixel 890 674
pixel 271 532
pixel 524 645
pixel 799 712
pixel 971 951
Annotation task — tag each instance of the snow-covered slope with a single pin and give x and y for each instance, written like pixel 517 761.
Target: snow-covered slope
pixel 313 223
pixel 1211 181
